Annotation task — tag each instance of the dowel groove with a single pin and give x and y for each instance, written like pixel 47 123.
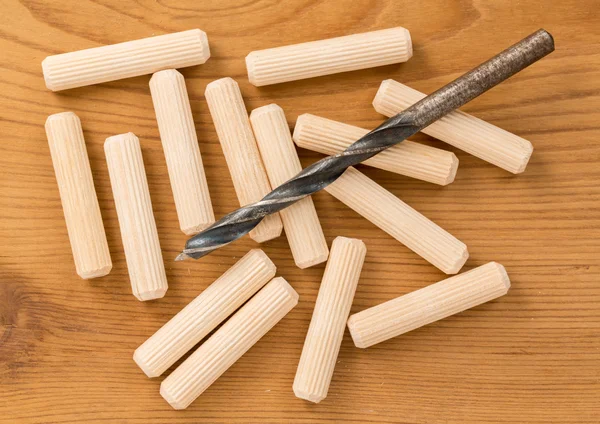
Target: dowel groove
pixel 204 313
pixel 203 367
pixel 125 60
pixel 136 218
pixel 429 304
pixel 182 153
pixel 78 195
pixel 399 220
pixel 326 330
pixel 330 56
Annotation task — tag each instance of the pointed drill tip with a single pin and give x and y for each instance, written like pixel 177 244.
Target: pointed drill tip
pixel 182 257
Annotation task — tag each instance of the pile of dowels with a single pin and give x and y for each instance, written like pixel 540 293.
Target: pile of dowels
pixel 260 154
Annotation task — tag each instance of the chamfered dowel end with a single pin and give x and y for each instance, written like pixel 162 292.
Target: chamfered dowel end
pixel 60 116
pixel 165 75
pixel 250 60
pixel 525 156
pixel 379 101
pixel 204 43
pixel 409 44
pixel 171 399
pixel 220 82
pixel 299 126
pixel 142 363
pixel 115 140
pixel 150 294
pixel 460 261
pixel 503 275
pixel 47 78
pixel 287 288
pixel 453 168
pixel 259 111
pixel 303 394
pixel 95 273
pixel 318 259
pixel 356 338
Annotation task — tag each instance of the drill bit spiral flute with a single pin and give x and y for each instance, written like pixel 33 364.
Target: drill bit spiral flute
pixel 394 130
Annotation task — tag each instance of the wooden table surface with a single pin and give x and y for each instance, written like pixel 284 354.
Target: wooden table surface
pixel 532 356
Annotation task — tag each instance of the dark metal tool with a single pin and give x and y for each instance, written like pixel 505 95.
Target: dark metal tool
pixel 394 130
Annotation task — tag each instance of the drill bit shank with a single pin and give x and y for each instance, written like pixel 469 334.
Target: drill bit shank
pixel 408 122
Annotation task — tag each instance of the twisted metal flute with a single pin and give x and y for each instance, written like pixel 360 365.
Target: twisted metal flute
pixel 408 122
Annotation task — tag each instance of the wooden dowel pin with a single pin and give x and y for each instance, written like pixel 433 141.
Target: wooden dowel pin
pixel 180 144
pixel 461 130
pixel 399 220
pixel 429 304
pixel 407 158
pixel 325 57
pixel 300 221
pixel 204 313
pixel 125 60
pixel 77 195
pixel 241 152
pixel 324 338
pixel 229 343
pixel 136 219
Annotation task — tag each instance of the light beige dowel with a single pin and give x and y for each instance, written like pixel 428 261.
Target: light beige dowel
pixel 300 221
pixel 328 322
pixel 429 304
pixel 204 313
pixel 241 153
pixel 407 158
pixel 125 60
pixel 461 130
pixel 324 57
pixel 229 343
pixel 179 141
pixel 399 220
pixel 136 219
pixel 77 195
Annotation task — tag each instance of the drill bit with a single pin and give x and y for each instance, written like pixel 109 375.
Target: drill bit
pixel 394 130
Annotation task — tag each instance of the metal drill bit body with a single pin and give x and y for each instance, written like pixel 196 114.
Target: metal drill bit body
pixel 408 122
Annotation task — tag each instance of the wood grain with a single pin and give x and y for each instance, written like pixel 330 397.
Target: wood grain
pixel 531 356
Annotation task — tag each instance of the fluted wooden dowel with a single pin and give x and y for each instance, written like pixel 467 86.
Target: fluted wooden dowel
pixel 136 219
pixel 78 195
pixel 300 221
pixel 330 56
pixel 399 220
pixel 461 130
pixel 241 152
pixel 229 343
pixel 328 322
pixel 429 304
pixel 407 158
pixel 204 313
pixel 125 60
pixel 180 144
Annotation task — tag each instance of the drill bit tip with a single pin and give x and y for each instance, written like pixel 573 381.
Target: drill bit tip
pixel 182 257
